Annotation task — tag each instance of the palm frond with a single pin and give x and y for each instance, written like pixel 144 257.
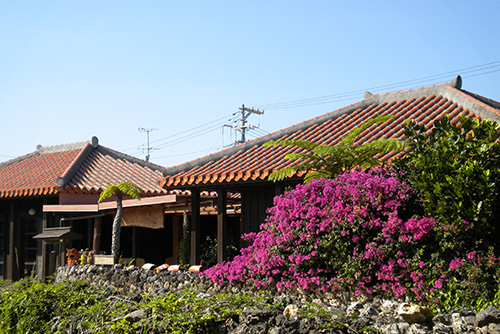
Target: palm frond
pixel 387 145
pixel 317 174
pixel 127 188
pixel 130 189
pixel 330 160
pixel 308 145
pixel 281 174
pixel 330 150
pixel 302 156
pixel 110 191
pixel 351 136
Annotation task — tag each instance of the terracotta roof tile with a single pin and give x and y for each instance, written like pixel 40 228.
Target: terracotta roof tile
pixel 251 161
pixel 36 173
pixel 79 167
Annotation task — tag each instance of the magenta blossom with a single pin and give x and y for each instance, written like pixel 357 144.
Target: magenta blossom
pixel 455 264
pixel 342 233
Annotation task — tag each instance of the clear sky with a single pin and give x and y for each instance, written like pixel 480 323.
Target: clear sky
pixel 70 70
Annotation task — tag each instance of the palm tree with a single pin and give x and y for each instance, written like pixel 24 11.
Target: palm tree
pixel 118 190
pixel 330 160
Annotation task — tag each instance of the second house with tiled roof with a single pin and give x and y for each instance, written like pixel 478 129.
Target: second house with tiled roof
pixel 245 168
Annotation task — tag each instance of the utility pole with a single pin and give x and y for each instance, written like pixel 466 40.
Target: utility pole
pixel 242 126
pixel 148 149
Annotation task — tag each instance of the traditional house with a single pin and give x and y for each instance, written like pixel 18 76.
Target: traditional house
pixel 48 202
pixel 245 168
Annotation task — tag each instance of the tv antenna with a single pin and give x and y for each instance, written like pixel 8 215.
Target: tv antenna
pixel 149 148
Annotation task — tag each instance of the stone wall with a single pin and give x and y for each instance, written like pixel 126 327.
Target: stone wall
pixel 132 279
pixel 135 280
pixel 383 315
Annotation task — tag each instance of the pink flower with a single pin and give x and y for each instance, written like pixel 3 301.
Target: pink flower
pixel 455 264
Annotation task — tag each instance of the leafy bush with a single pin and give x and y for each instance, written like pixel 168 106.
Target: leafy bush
pixel 455 168
pixel 28 305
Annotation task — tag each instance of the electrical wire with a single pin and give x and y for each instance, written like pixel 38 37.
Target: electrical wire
pixel 203 129
pixel 354 94
pixel 260 131
pixel 225 118
pixel 187 137
pixel 198 127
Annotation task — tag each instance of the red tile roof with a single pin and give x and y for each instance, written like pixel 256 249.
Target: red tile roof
pixel 84 167
pixel 251 161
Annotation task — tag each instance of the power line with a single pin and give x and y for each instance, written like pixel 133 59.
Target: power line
pixel 189 136
pixel 476 75
pixel 197 127
pixel 184 132
pixel 180 154
pixel 259 130
pixel 353 94
pixel 203 129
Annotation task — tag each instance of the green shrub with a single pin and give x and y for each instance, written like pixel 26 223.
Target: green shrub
pixel 28 305
pixel 456 170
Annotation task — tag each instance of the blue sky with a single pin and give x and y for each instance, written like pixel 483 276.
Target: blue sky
pixel 70 70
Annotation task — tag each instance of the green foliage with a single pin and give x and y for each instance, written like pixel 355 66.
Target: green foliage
pixel 331 160
pixel 209 251
pixel 456 170
pixel 184 251
pixel 29 306
pixel 116 190
pixel 475 285
pixel 209 248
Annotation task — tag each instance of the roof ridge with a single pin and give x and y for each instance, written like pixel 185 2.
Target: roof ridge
pixel 474 103
pixel 62 147
pixel 493 103
pixel 416 92
pixel 133 159
pixel 48 150
pixel 64 179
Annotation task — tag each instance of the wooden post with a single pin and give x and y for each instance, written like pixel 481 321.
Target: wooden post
pixel 221 224
pixel 10 263
pixel 195 226
pixel 97 235
pixel 134 242
pixel 45 259
pixel 244 216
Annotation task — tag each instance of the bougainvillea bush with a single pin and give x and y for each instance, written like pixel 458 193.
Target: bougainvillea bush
pixel 355 232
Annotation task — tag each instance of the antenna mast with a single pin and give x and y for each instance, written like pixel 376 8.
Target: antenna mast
pixel 149 148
